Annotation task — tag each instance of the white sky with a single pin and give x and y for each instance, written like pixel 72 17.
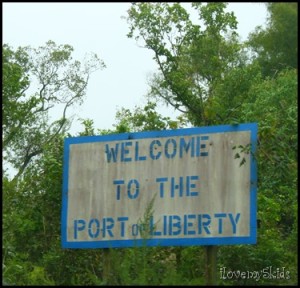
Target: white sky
pixel 98 27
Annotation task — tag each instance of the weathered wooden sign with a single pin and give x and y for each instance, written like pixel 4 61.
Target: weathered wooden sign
pixel 194 186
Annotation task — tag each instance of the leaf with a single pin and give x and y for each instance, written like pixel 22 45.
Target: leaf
pixel 242 162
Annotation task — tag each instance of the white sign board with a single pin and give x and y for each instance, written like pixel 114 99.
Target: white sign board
pixel 194 186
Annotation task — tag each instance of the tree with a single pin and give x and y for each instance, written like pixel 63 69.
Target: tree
pixel 190 59
pixel 32 253
pixel 276 46
pixel 233 89
pixel 145 119
pixel 34 82
pixel 274 107
pixel 211 77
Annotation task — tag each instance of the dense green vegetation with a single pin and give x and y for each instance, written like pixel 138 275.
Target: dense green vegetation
pixel 212 78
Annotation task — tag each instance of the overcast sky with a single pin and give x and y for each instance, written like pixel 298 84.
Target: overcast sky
pixel 98 27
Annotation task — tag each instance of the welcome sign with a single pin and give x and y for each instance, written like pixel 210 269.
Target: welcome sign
pixel 194 186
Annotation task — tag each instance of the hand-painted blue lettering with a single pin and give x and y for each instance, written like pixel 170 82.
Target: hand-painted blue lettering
pixel 125 151
pixel 187 224
pixel 133 184
pixel 184 147
pixel 192 147
pixel 173 185
pixel 234 221
pixel 94 231
pixel 161 186
pixel 118 189
pixel 190 185
pixel 177 187
pixel 202 224
pixel 108 224
pixel 152 227
pixel 170 152
pixel 200 146
pixel 122 222
pixel 220 216
pixel 135 229
pixel 173 224
pixel 153 147
pixel 137 157
pixel 204 138
pixel 165 225
pixel 111 153
pixel 79 225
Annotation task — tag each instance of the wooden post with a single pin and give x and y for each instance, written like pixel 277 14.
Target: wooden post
pixel 106 266
pixel 211 265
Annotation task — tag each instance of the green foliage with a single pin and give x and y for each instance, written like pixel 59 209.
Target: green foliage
pixel 204 72
pixel 32 203
pixel 225 106
pixel 274 106
pixel 145 119
pixel 232 88
pixel 190 58
pixel 34 81
pixel 276 47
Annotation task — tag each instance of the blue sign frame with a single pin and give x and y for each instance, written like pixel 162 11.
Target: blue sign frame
pixel 251 239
